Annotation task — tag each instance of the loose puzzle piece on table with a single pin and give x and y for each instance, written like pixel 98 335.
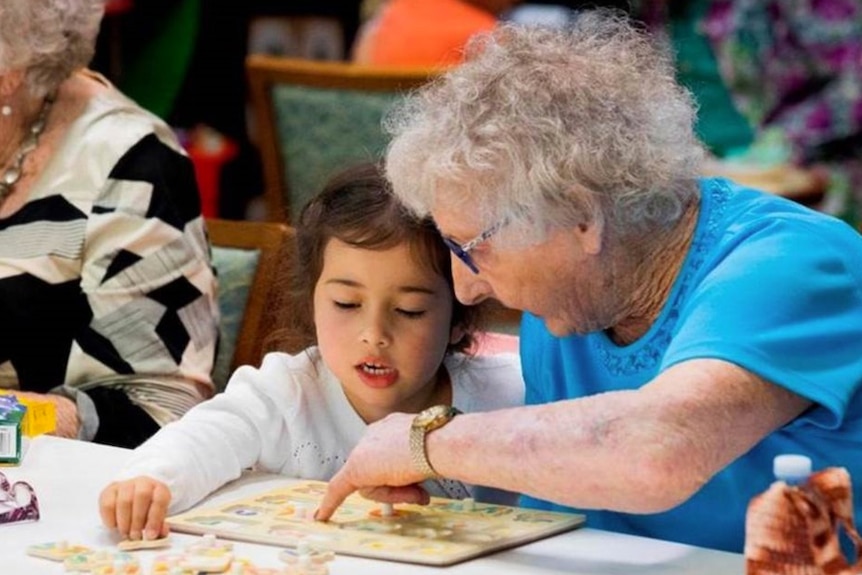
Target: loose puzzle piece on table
pixel 215 562
pixel 81 559
pixel 57 550
pixel 184 564
pixel 306 560
pixel 206 555
pixel 139 544
pixel 444 532
pixel 90 561
pixel 118 568
pixel 246 567
pixel 169 565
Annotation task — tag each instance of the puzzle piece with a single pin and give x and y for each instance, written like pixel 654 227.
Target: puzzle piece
pixel 208 561
pixel 246 567
pixel 305 568
pixel 130 545
pixel 211 561
pixel 91 560
pixel 306 560
pixel 170 565
pixel 305 552
pixel 209 543
pixel 118 568
pixel 206 555
pixel 388 511
pixel 56 550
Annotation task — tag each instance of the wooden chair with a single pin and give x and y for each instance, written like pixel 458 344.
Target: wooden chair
pixel 248 257
pixel 806 186
pixel 315 118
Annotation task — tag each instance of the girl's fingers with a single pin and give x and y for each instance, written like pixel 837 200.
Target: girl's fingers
pixel 108 506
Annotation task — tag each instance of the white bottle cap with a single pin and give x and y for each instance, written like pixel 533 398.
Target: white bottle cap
pixel 791 468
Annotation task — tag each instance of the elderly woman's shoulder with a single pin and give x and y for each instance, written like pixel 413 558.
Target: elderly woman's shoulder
pixel 111 130
pixel 110 118
pixel 736 211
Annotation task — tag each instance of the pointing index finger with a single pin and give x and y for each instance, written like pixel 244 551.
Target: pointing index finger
pixel 339 489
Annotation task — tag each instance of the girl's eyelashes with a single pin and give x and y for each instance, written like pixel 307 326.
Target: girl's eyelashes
pixel 410 313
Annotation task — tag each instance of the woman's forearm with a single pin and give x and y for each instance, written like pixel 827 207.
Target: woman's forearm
pixel 567 453
pixel 639 451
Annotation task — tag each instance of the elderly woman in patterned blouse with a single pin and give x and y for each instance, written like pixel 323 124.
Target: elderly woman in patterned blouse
pixel 107 301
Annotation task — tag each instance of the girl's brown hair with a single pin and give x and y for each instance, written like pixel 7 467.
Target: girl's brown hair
pixel 357 207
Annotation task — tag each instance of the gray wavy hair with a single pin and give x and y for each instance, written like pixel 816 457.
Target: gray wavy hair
pixel 49 39
pixel 551 128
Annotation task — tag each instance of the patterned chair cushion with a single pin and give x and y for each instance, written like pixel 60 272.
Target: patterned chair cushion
pixel 322 131
pixel 235 268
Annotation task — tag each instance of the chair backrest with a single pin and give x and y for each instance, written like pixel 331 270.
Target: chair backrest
pixel 315 118
pixel 248 258
pixel 501 319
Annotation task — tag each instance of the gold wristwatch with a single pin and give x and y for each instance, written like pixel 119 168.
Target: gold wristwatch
pixel 424 423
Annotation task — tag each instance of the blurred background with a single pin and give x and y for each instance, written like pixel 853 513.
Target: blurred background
pixel 778 82
pixel 184 61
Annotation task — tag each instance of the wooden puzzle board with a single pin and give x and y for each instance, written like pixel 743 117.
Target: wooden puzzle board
pixel 442 533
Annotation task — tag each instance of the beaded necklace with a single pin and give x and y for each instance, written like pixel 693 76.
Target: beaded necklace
pixel 31 141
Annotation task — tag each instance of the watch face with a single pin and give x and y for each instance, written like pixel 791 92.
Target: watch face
pixel 441 413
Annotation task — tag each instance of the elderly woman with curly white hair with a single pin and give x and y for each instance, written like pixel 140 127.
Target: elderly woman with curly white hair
pixel 107 302
pixel 678 332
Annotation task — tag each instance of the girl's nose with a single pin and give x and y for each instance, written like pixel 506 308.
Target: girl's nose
pixel 376 332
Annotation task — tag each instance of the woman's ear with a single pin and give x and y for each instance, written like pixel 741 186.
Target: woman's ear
pixel 10 82
pixel 591 236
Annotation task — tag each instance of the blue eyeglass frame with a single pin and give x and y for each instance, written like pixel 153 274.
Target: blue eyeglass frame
pixel 462 251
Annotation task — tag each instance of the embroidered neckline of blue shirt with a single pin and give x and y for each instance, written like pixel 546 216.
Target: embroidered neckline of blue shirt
pixel 647 352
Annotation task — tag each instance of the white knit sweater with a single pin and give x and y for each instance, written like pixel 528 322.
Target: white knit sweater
pixel 291 417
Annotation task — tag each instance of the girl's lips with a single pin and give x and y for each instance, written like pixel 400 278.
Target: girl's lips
pixel 377 377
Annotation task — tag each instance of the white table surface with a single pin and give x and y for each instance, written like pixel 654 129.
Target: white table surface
pixel 68 476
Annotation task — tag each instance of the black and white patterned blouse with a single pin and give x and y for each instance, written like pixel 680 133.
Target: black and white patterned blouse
pixel 106 286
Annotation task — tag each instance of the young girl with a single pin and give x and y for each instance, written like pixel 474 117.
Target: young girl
pixel 379 297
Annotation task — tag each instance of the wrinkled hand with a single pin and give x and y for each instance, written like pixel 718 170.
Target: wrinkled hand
pixel 379 467
pixel 136 508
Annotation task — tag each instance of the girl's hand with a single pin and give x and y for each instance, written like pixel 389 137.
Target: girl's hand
pixel 136 508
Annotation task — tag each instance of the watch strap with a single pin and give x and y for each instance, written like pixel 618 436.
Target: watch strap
pixel 418 442
pixel 419 453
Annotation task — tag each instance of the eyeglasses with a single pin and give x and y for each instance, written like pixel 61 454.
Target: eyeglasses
pixel 18 501
pixel 463 251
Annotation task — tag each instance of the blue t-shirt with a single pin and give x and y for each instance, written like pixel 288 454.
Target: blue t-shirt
pixel 768 285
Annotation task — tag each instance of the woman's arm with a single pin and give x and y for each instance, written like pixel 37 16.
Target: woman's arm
pixel 214 442
pixel 636 451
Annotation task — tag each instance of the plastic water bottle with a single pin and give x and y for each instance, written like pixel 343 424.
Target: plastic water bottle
pixel 792 469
